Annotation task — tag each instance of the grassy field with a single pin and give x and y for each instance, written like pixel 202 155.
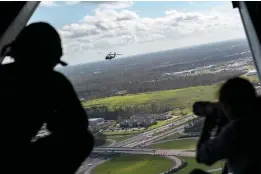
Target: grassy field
pixel 189 144
pixel 252 78
pixel 107 143
pixel 119 138
pixel 171 137
pixel 138 164
pixel 192 164
pixel 180 98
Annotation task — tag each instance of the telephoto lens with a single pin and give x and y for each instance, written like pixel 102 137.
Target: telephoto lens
pixel 203 108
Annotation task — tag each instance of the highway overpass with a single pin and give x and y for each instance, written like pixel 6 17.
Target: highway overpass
pixel 165 152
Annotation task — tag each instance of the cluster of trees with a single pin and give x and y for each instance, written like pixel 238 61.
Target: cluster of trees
pixel 127 112
pixel 103 112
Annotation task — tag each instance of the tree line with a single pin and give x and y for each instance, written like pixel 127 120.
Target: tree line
pixel 104 86
pixel 127 112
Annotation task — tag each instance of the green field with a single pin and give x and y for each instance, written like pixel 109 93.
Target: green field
pixel 252 78
pixel 180 98
pixel 189 144
pixel 170 137
pixel 134 164
pixel 118 138
pixel 107 143
pixel 140 164
pixel 192 164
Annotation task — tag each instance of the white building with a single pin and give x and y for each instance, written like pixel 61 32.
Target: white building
pixel 93 121
pixel 251 73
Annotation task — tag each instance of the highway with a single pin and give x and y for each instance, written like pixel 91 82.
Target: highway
pixel 144 136
pixel 143 139
pixel 164 152
pixel 165 141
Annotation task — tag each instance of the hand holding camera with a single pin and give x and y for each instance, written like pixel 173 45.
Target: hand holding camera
pixel 213 112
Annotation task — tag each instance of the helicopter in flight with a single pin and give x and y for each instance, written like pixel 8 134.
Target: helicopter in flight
pixel 111 56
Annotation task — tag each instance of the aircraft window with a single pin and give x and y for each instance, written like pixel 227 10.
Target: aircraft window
pixel 138 67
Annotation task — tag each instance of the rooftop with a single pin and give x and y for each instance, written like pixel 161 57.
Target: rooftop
pixel 94 119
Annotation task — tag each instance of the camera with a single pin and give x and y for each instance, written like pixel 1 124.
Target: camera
pixel 213 111
pixel 204 109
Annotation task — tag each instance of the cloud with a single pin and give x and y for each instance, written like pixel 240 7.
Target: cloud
pixel 98 2
pixel 104 4
pixel 71 2
pixel 48 4
pixel 112 29
pixel 116 4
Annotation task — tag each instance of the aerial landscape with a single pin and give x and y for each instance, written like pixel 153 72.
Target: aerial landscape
pixel 138 68
pixel 139 107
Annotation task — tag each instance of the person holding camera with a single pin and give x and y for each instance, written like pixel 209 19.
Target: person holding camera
pixel 236 118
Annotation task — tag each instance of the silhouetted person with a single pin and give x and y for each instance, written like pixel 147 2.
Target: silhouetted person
pixel 238 141
pixel 33 93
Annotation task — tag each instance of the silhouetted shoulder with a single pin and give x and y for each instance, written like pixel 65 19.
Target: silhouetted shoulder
pixel 61 78
pixel 61 82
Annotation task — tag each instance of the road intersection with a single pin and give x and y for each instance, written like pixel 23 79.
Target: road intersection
pixel 136 144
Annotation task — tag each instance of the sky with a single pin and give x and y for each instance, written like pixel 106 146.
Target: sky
pixel 90 30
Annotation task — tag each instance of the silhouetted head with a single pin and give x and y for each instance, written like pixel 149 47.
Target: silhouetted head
pixel 37 45
pixel 238 97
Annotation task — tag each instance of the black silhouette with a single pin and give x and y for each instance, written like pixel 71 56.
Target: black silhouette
pixel 32 94
pixel 111 56
pixel 237 141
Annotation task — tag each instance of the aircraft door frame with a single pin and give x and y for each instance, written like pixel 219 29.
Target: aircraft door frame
pixel 251 19
pixel 18 23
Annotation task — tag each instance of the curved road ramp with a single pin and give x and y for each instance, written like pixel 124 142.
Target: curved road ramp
pixel 178 165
